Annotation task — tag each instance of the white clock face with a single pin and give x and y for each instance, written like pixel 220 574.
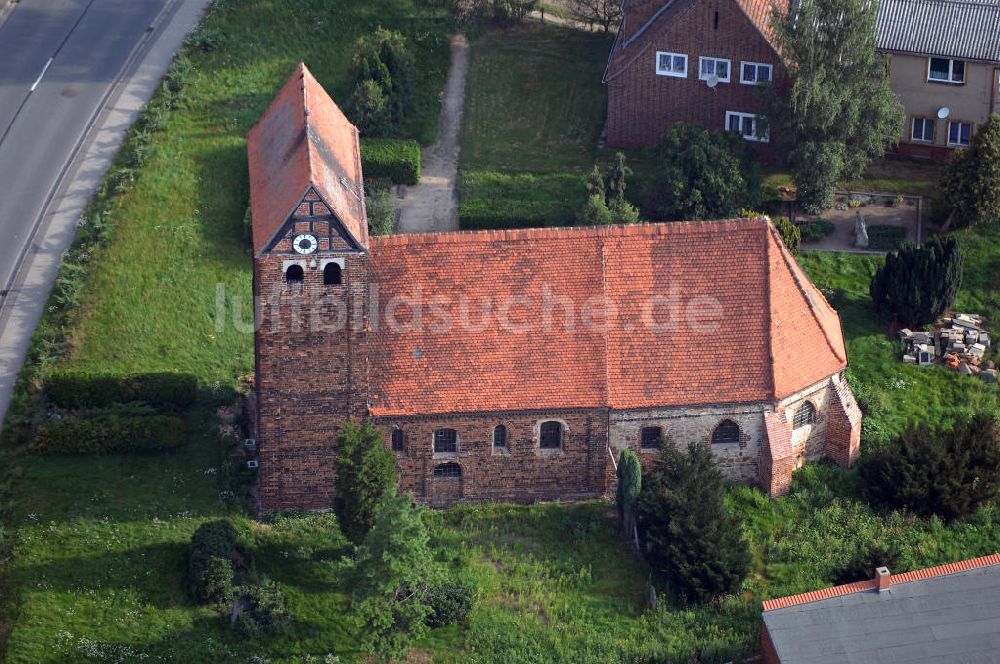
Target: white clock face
pixel 304 244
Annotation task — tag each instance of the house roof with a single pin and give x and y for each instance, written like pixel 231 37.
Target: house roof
pixel 626 47
pixel 697 313
pixel 967 29
pixel 949 613
pixel 303 140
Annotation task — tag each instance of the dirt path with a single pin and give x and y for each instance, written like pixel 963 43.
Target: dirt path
pixel 432 205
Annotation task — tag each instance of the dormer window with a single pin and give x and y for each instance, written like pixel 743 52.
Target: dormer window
pixel 294 274
pixel 331 274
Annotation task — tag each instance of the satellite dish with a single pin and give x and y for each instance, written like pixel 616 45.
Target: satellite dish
pixel 712 81
pixel 943 112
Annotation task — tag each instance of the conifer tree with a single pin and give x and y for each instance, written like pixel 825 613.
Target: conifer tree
pixel 972 178
pixel 689 538
pixel 366 471
pixel 392 568
pixel 918 284
pixel 629 487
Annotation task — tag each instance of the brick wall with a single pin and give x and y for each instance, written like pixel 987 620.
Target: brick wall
pixel 642 105
pixel 843 441
pixel 520 473
pixel 685 425
pixel 808 442
pixel 311 374
pixel 768 655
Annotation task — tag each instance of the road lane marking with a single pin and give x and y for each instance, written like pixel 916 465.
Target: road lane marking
pixel 39 79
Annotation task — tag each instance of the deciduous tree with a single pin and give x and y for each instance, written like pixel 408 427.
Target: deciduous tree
pixel 701 175
pixel 838 110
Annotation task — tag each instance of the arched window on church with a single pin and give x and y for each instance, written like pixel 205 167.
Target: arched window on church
pixel 398 440
pixel 331 274
pixel 727 433
pixel 294 274
pixel 806 414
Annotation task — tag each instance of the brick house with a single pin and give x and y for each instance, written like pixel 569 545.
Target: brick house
pixel 514 365
pixel 693 61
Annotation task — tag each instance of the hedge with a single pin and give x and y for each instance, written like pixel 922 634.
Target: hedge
pixel 398 160
pixel 109 433
pixel 88 390
pixel 478 214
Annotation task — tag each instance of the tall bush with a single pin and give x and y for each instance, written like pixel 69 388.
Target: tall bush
pixel 972 179
pixel 919 284
pixel 366 471
pixel 934 471
pixel 384 74
pixel 209 569
pixel 701 174
pixel 108 433
pixel 688 537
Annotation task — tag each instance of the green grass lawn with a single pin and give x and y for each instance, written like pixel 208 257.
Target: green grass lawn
pixel 534 99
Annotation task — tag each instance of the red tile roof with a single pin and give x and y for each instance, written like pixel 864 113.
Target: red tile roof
pixel 736 320
pixel 871 584
pixel 303 140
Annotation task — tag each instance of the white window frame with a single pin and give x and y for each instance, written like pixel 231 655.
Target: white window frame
pixel 743 116
pixel 913 127
pixel 757 66
pixel 670 72
pixel 959 144
pixel 702 76
pixel 951 71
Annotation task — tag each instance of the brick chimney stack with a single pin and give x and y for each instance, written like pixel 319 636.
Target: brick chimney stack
pixel 883 578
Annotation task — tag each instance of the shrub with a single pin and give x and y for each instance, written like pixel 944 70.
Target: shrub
pixel 918 284
pixel 689 538
pixel 392 566
pixel 108 433
pixel 450 603
pixel 366 471
pixel 209 574
pixel 816 230
pixel 701 175
pixel 791 235
pixel 594 213
pixel 264 610
pixel 93 390
pixel 928 471
pixel 972 179
pixel 397 160
pixel 381 212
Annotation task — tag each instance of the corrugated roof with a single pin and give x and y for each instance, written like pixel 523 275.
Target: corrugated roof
pixel 949 613
pixel 303 140
pixel 760 330
pixel 965 29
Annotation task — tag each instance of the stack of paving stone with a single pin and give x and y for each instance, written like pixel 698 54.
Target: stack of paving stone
pixel 959 341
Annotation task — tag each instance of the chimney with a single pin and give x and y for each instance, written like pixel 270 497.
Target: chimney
pixel 883 578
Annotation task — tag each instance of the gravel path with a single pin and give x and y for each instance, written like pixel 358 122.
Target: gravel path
pixel 432 205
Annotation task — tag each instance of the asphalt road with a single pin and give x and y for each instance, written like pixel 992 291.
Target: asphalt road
pixel 81 45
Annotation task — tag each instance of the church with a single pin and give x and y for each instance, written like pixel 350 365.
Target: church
pixel 515 365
